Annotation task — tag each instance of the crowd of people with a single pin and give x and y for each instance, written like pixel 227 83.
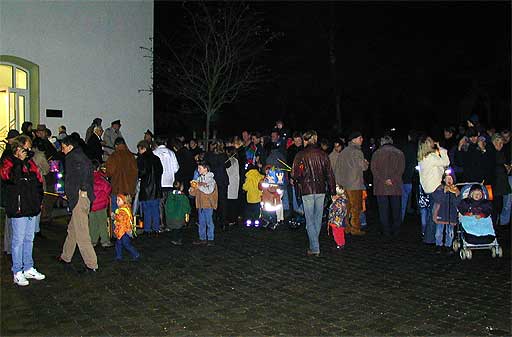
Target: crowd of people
pixel 255 179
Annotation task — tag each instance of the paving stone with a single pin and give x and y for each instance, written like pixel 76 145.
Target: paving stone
pixel 260 283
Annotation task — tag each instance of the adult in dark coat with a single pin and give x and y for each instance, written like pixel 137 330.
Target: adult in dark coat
pixel 499 177
pixel 218 161
pixel 94 147
pixel 313 173
pixel 410 151
pixel 24 188
pixel 387 167
pixel 150 174
pixel 472 155
pixel 186 163
pixel 79 189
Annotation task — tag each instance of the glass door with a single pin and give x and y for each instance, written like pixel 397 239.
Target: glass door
pixel 8 114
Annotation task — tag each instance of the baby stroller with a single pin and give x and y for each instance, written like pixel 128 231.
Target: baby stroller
pixel 475 234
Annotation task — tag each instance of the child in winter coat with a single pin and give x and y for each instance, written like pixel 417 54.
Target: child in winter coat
pixel 271 203
pixel 124 228
pixel 204 189
pixel 98 217
pixel 475 204
pixel 337 217
pixel 177 209
pixel 476 214
pixel 252 180
pixel 445 198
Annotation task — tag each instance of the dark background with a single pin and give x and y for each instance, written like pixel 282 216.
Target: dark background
pixel 399 64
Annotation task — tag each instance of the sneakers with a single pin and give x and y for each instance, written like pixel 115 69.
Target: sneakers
pixel 199 242
pixel 20 279
pixel 106 245
pixel 33 273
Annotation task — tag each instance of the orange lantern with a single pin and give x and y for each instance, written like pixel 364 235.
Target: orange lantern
pixel 489 192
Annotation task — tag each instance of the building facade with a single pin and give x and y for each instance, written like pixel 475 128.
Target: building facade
pixel 68 62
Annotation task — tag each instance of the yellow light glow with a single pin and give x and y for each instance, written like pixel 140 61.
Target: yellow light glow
pixel 5 75
pixel 21 79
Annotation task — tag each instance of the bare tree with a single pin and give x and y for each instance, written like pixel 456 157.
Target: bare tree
pixel 216 57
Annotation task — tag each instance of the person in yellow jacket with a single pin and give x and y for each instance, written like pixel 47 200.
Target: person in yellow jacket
pixel 123 220
pixel 252 209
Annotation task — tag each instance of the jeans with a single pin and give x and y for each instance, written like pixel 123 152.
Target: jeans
pixel 113 205
pixel 284 198
pixel 389 207
pixel 126 242
pixel 507 205
pixel 313 210
pixel 440 228
pixel 206 225
pixel 7 235
pixel 151 211
pixel 424 219
pixel 22 243
pixel 430 227
pixel 295 203
pixel 362 219
pixel 37 229
pixel 406 192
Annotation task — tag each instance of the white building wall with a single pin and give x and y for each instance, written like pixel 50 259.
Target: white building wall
pixel 90 60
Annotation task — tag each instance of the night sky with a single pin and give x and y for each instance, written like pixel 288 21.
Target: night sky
pixel 399 64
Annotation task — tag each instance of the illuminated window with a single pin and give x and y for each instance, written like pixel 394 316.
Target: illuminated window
pixel 21 79
pixel 14 98
pixel 21 107
pixel 5 75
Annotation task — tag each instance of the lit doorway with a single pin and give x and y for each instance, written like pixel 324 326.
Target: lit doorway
pixel 14 94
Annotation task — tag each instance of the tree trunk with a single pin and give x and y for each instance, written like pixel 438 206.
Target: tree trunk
pixel 208 118
pixel 332 61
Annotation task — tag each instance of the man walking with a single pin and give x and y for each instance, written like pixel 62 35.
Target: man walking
pixel 79 191
pixel 387 167
pixel 351 164
pixel 314 177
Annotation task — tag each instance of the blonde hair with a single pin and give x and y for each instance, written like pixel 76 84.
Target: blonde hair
pixel 19 142
pixel 424 147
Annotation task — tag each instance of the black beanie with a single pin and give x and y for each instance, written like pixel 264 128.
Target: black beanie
pixel 354 134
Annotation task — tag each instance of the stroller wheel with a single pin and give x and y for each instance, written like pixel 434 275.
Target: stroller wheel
pixel 469 254
pixel 455 246
pixel 493 252
pixel 500 251
pixel 462 254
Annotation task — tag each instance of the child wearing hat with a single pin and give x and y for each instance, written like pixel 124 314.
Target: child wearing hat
pixel 475 204
pixel 337 217
pixel 446 198
pixel 124 228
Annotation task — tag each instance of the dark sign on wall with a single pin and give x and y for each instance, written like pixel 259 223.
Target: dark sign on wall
pixel 53 113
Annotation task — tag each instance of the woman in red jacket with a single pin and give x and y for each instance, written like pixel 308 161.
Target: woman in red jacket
pixel 98 216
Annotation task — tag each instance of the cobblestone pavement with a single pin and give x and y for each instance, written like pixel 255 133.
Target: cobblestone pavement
pixel 257 282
